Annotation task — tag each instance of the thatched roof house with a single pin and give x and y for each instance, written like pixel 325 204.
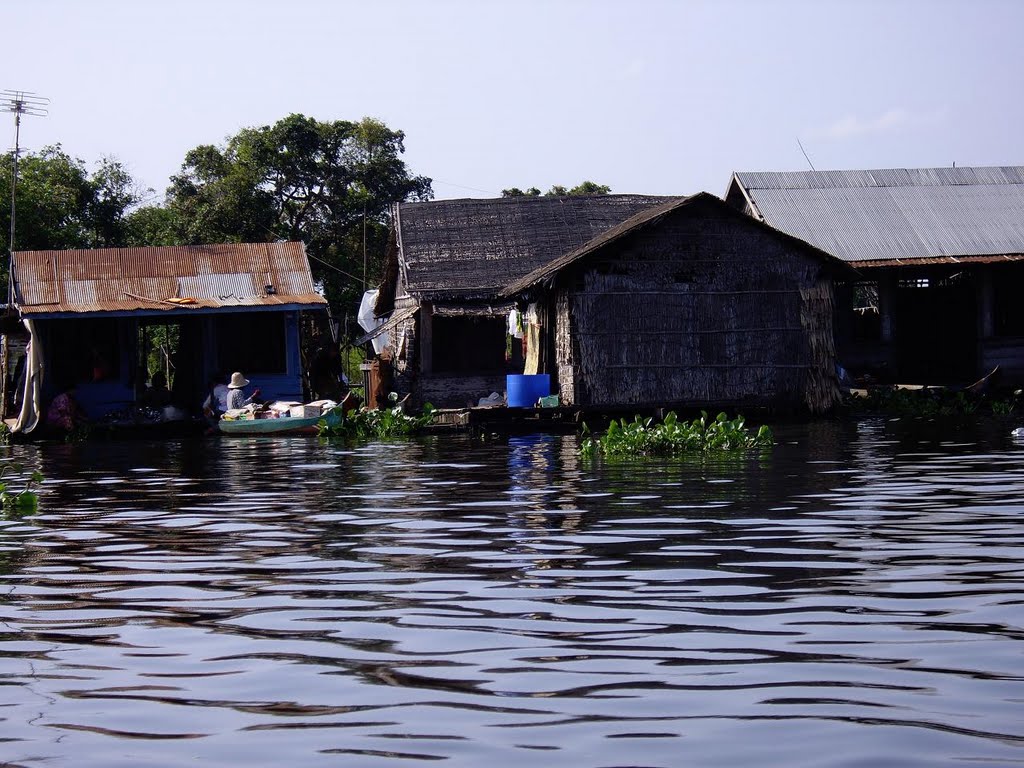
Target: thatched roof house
pixel 690 303
pixel 941 257
pixel 645 301
pixel 446 266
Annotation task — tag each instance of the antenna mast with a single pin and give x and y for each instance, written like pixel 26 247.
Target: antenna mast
pixel 800 144
pixel 20 103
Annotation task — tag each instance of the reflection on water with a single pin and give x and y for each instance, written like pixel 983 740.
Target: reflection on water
pixel 852 598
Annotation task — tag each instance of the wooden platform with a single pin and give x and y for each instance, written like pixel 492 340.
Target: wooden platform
pixel 507 420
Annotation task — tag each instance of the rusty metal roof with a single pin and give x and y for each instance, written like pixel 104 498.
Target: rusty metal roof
pixel 105 280
pixel 899 214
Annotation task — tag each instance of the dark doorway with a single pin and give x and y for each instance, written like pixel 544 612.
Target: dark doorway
pixel 936 327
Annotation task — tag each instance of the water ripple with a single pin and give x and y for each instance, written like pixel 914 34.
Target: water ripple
pixel 852 598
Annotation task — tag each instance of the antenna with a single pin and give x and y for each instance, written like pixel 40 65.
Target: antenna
pixel 20 103
pixel 805 153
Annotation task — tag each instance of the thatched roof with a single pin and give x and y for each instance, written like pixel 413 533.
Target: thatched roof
pixel 649 217
pixel 471 249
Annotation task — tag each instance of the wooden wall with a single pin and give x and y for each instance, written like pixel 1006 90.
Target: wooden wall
pixel 703 308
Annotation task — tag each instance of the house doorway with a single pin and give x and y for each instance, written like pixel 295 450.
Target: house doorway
pixel 936 327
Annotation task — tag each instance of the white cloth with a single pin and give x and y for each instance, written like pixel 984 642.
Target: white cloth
pixel 515 324
pixel 31 400
pixel 368 321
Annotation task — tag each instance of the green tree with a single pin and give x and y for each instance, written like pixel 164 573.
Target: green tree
pixel 62 205
pixel 113 195
pixel 584 188
pixel 151 225
pixel 328 184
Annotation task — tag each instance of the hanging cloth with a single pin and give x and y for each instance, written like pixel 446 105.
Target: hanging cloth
pixel 31 401
pixel 532 350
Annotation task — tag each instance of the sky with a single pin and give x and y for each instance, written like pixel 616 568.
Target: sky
pixel 646 96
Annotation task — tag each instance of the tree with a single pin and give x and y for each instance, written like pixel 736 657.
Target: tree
pixel 584 188
pixel 114 193
pixel 517 192
pixel 328 184
pixel 62 205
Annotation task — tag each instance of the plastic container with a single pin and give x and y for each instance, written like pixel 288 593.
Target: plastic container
pixel 524 391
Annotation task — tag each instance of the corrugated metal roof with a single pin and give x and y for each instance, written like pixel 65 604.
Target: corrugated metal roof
pixel 130 279
pixel 919 213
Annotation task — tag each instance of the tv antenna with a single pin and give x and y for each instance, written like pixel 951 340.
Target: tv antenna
pixel 800 144
pixel 20 103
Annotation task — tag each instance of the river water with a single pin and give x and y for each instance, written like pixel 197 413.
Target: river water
pixel 854 597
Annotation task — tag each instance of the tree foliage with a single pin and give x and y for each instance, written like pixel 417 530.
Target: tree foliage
pixel 329 184
pixel 61 204
pixel 583 188
pixel 299 179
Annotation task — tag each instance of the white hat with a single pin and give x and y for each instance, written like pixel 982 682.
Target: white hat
pixel 238 380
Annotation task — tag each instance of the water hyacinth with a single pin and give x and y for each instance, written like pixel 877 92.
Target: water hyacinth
pixel 382 422
pixel 23 499
pixel 672 436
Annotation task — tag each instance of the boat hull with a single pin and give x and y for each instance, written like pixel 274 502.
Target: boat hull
pixel 282 426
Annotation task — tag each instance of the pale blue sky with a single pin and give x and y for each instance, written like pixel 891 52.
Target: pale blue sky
pixel 647 96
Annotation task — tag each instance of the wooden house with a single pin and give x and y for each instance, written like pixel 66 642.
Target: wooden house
pixel 689 303
pixel 91 317
pixel 445 268
pixel 642 301
pixel 940 257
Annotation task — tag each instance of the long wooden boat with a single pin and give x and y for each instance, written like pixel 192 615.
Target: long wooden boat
pixel 282 426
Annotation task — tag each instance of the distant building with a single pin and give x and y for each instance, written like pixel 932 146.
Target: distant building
pixel 640 301
pixel 221 308
pixel 940 252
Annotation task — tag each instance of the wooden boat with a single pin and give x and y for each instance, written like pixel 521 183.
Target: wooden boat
pixel 281 426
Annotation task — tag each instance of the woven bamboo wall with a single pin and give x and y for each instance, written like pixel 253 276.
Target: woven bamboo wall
pixel 702 309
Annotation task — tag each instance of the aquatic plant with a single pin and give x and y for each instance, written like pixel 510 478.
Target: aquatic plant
pixel 930 402
pixel 1003 407
pixel 382 422
pixel 672 436
pixel 24 500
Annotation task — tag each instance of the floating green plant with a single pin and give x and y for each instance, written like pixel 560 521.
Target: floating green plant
pixel 672 436
pixel 382 422
pixel 24 500
pixel 931 402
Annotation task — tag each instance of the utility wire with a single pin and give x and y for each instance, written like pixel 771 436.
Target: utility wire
pixel 463 186
pixel 336 269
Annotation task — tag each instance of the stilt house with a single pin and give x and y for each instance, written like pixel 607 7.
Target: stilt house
pixel 689 303
pixel 640 301
pixel 91 317
pixel 940 254
pixel 445 268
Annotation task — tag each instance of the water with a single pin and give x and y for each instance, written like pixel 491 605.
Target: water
pixel 852 599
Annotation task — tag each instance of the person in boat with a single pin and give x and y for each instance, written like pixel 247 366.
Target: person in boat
pixel 216 401
pixel 158 395
pixel 65 412
pixel 236 397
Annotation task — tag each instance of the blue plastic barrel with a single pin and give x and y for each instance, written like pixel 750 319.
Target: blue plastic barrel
pixel 524 391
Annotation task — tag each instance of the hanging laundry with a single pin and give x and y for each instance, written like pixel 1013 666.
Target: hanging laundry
pixel 532 352
pixel 515 324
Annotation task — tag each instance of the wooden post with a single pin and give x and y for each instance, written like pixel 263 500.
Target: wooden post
pixel 986 303
pixel 4 356
pixel 426 337
pixel 886 305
